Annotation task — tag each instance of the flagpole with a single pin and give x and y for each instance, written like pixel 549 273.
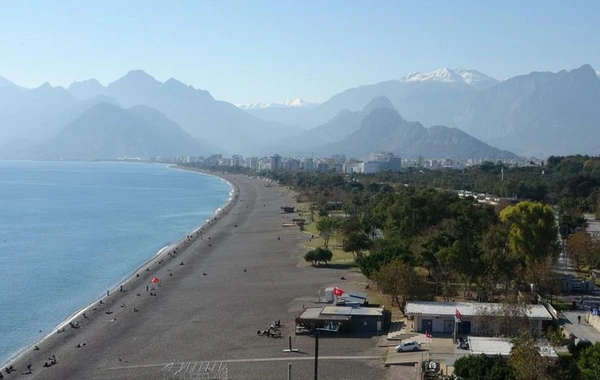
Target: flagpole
pixel 455 329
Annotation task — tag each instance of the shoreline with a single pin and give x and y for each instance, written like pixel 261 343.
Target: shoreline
pixel 242 274
pixel 168 249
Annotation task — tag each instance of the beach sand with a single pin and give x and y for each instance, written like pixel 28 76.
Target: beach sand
pixel 214 294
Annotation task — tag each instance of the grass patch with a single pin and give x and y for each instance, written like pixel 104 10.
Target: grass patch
pixel 339 256
pixel 560 305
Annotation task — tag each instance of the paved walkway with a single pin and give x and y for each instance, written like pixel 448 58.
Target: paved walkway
pixel 580 330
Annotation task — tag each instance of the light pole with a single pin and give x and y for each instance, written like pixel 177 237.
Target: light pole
pixel 316 354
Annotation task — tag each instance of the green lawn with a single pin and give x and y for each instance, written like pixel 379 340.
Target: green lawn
pixel 335 245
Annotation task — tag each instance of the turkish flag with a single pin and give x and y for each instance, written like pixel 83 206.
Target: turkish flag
pixel 337 291
pixel 458 314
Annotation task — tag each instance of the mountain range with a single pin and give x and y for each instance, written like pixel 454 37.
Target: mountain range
pixel 379 127
pixel 294 103
pixel 196 111
pixel 106 130
pixel 538 114
pixel 535 114
pixel 432 98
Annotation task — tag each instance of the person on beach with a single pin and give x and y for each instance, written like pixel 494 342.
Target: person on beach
pixel 107 293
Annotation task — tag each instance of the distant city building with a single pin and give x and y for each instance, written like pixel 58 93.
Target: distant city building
pixel 370 167
pixel 308 165
pixel 352 167
pixel 275 162
pixel 322 167
pixel 237 160
pixel 251 163
pixel 375 162
pixel 291 164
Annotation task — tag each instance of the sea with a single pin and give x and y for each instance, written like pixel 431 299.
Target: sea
pixel 69 231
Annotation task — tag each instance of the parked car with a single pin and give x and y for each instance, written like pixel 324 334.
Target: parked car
pixel 409 345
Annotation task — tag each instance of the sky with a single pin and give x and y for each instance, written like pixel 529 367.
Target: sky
pixel 266 51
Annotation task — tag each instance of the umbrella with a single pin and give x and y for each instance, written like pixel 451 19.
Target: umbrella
pixel 155 280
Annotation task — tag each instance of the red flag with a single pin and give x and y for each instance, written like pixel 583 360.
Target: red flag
pixel 337 291
pixel 457 314
pixel 427 335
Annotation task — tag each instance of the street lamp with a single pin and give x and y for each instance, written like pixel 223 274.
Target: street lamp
pixel 317 352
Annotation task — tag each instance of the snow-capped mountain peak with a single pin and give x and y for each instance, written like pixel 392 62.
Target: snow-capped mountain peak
pixel 286 103
pixel 459 76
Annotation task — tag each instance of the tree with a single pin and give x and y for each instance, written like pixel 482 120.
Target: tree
pixel 508 318
pixel 400 281
pixel 554 336
pixel 318 255
pixel 327 227
pixel 589 362
pixel 356 242
pixel 526 360
pixel 532 234
pixel 583 250
pixel 482 367
pixel 311 257
pixel 382 252
pixel 500 268
pixel 564 368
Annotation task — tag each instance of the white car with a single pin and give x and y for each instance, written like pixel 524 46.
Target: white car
pixel 409 345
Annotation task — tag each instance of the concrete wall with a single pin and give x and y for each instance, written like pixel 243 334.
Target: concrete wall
pixel 593 320
pixel 439 324
pixel 550 309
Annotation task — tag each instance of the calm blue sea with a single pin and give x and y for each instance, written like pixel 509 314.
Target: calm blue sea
pixel 71 230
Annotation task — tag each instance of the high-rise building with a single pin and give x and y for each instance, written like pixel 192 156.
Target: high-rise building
pixel 275 162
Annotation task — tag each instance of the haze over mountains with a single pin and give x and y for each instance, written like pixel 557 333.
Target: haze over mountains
pixel 379 127
pixel 539 113
pixel 535 114
pixel 106 130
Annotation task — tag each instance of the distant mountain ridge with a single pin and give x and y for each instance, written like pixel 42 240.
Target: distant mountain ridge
pixel 106 131
pixel 196 111
pixel 537 114
pixel 339 127
pixel 25 113
pixel 432 98
pixel 383 129
pixel 469 77
pixel 293 103
pixel 6 83
pixel 540 113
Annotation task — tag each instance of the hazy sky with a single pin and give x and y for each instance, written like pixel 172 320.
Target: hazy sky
pixel 247 51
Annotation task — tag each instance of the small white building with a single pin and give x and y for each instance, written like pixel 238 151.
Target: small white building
pixel 502 346
pixel 440 317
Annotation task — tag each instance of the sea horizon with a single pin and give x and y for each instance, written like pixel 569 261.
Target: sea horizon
pixel 70 231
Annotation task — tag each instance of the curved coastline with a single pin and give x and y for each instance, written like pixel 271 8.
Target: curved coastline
pixel 167 250
pixel 237 276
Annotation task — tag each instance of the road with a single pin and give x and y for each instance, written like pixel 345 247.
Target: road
pixel 580 330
